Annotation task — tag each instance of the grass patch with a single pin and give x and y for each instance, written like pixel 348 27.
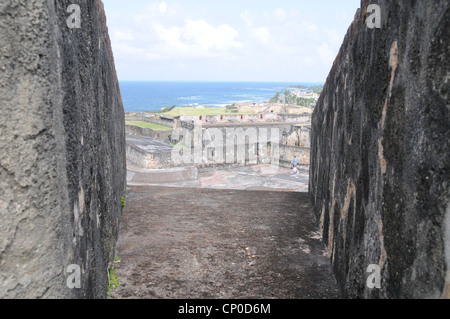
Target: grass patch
pixel 114 280
pixel 155 127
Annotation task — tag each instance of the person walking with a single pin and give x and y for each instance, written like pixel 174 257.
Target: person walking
pixel 294 165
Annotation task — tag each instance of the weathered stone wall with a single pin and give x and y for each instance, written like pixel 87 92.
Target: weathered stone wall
pixel 300 135
pixel 380 156
pixel 62 142
pixel 247 118
pixel 305 117
pixel 237 138
pixel 156 119
pixel 162 136
pixel 149 160
pixel 287 154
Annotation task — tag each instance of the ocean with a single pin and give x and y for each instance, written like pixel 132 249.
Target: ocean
pixel 152 96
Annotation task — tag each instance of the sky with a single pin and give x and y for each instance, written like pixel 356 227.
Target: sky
pixel 227 40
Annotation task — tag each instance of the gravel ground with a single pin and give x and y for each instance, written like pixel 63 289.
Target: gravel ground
pixel 220 244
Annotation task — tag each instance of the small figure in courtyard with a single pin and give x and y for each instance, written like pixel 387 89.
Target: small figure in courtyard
pixel 294 165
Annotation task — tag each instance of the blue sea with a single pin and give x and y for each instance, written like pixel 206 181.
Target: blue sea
pixel 152 96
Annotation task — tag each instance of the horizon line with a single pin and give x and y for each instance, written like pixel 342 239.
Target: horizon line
pixel 243 81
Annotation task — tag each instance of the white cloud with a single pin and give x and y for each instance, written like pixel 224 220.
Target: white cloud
pixel 123 35
pixel 159 12
pixel 247 17
pixel 280 14
pixel 293 38
pixel 170 35
pixel 209 37
pixel 262 34
pixel 283 40
pixel 162 7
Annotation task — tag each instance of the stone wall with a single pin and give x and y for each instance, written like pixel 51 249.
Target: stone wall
pixel 247 118
pixel 305 117
pixel 162 136
pixel 300 135
pixel 62 159
pixel 156 119
pixel 157 159
pixel 287 154
pixel 380 156
pixel 250 138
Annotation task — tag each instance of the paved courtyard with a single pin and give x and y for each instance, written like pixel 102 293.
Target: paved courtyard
pixel 261 177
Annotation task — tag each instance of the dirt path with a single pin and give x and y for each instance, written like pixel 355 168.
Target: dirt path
pixel 205 243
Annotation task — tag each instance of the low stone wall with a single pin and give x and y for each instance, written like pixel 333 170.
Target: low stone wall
pixel 380 156
pixel 155 119
pixel 287 154
pixel 161 176
pixel 244 118
pixel 149 160
pixel 162 136
pixel 295 117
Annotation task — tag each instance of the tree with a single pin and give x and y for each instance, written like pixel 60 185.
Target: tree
pixel 276 98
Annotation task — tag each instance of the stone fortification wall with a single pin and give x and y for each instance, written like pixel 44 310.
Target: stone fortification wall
pixel 62 141
pixel 380 155
pixel 231 145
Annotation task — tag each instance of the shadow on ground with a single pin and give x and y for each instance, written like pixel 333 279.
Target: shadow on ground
pixel 220 244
